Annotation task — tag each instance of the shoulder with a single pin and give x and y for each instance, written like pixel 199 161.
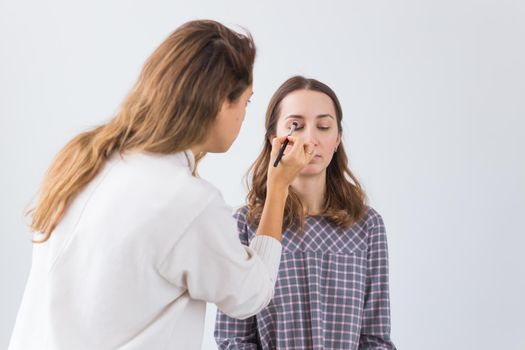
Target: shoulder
pixel 374 226
pixel 160 184
pixel 168 173
pixel 372 218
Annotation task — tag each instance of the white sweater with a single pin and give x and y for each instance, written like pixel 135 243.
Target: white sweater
pixel 135 259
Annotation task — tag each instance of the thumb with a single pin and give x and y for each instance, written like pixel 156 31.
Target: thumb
pixel 276 145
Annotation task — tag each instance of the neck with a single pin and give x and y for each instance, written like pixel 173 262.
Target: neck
pixel 311 190
pixel 196 150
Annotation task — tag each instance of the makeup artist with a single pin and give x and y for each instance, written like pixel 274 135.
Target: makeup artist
pixel 129 243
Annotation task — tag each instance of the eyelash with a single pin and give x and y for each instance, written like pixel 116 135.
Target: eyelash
pixel 319 127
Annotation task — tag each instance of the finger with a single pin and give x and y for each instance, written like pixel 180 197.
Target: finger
pixel 278 140
pixel 276 145
pixel 293 139
pixel 309 150
pixel 297 146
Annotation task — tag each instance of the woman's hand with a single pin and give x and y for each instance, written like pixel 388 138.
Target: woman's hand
pixel 298 155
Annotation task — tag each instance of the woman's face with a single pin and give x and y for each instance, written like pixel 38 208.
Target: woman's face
pixel 228 123
pixel 315 115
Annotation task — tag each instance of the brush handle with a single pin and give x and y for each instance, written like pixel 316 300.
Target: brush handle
pixel 285 143
pixel 281 153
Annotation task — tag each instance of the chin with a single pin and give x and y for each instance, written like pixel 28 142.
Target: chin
pixel 312 170
pixel 219 149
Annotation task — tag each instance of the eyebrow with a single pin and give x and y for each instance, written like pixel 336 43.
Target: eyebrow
pixel 296 116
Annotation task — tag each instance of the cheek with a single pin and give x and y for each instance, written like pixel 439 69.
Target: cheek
pixel 281 131
pixel 329 142
pixel 238 118
pixel 242 113
pixel 234 124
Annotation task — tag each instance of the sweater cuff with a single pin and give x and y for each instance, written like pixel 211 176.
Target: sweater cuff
pixel 269 250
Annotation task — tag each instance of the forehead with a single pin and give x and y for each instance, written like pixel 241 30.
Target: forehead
pixel 306 103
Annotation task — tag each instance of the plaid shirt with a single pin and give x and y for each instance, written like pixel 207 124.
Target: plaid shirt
pixel 331 291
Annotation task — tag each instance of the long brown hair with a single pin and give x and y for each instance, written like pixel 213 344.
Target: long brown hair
pixel 345 200
pixel 171 108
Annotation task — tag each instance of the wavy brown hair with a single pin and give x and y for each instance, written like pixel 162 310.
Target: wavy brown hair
pixel 345 200
pixel 171 107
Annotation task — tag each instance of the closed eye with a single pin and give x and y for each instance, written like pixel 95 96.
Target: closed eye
pixel 299 126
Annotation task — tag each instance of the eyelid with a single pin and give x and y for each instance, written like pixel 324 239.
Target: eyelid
pixel 299 125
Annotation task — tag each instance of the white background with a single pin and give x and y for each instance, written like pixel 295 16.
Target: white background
pixel 433 100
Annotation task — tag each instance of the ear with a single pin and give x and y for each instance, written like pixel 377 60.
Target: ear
pixel 338 140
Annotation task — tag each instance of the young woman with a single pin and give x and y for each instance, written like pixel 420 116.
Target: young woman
pixel 332 287
pixel 131 244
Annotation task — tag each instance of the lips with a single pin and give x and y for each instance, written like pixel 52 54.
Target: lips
pixel 314 158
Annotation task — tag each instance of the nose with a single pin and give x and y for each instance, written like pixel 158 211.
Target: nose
pixel 310 135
